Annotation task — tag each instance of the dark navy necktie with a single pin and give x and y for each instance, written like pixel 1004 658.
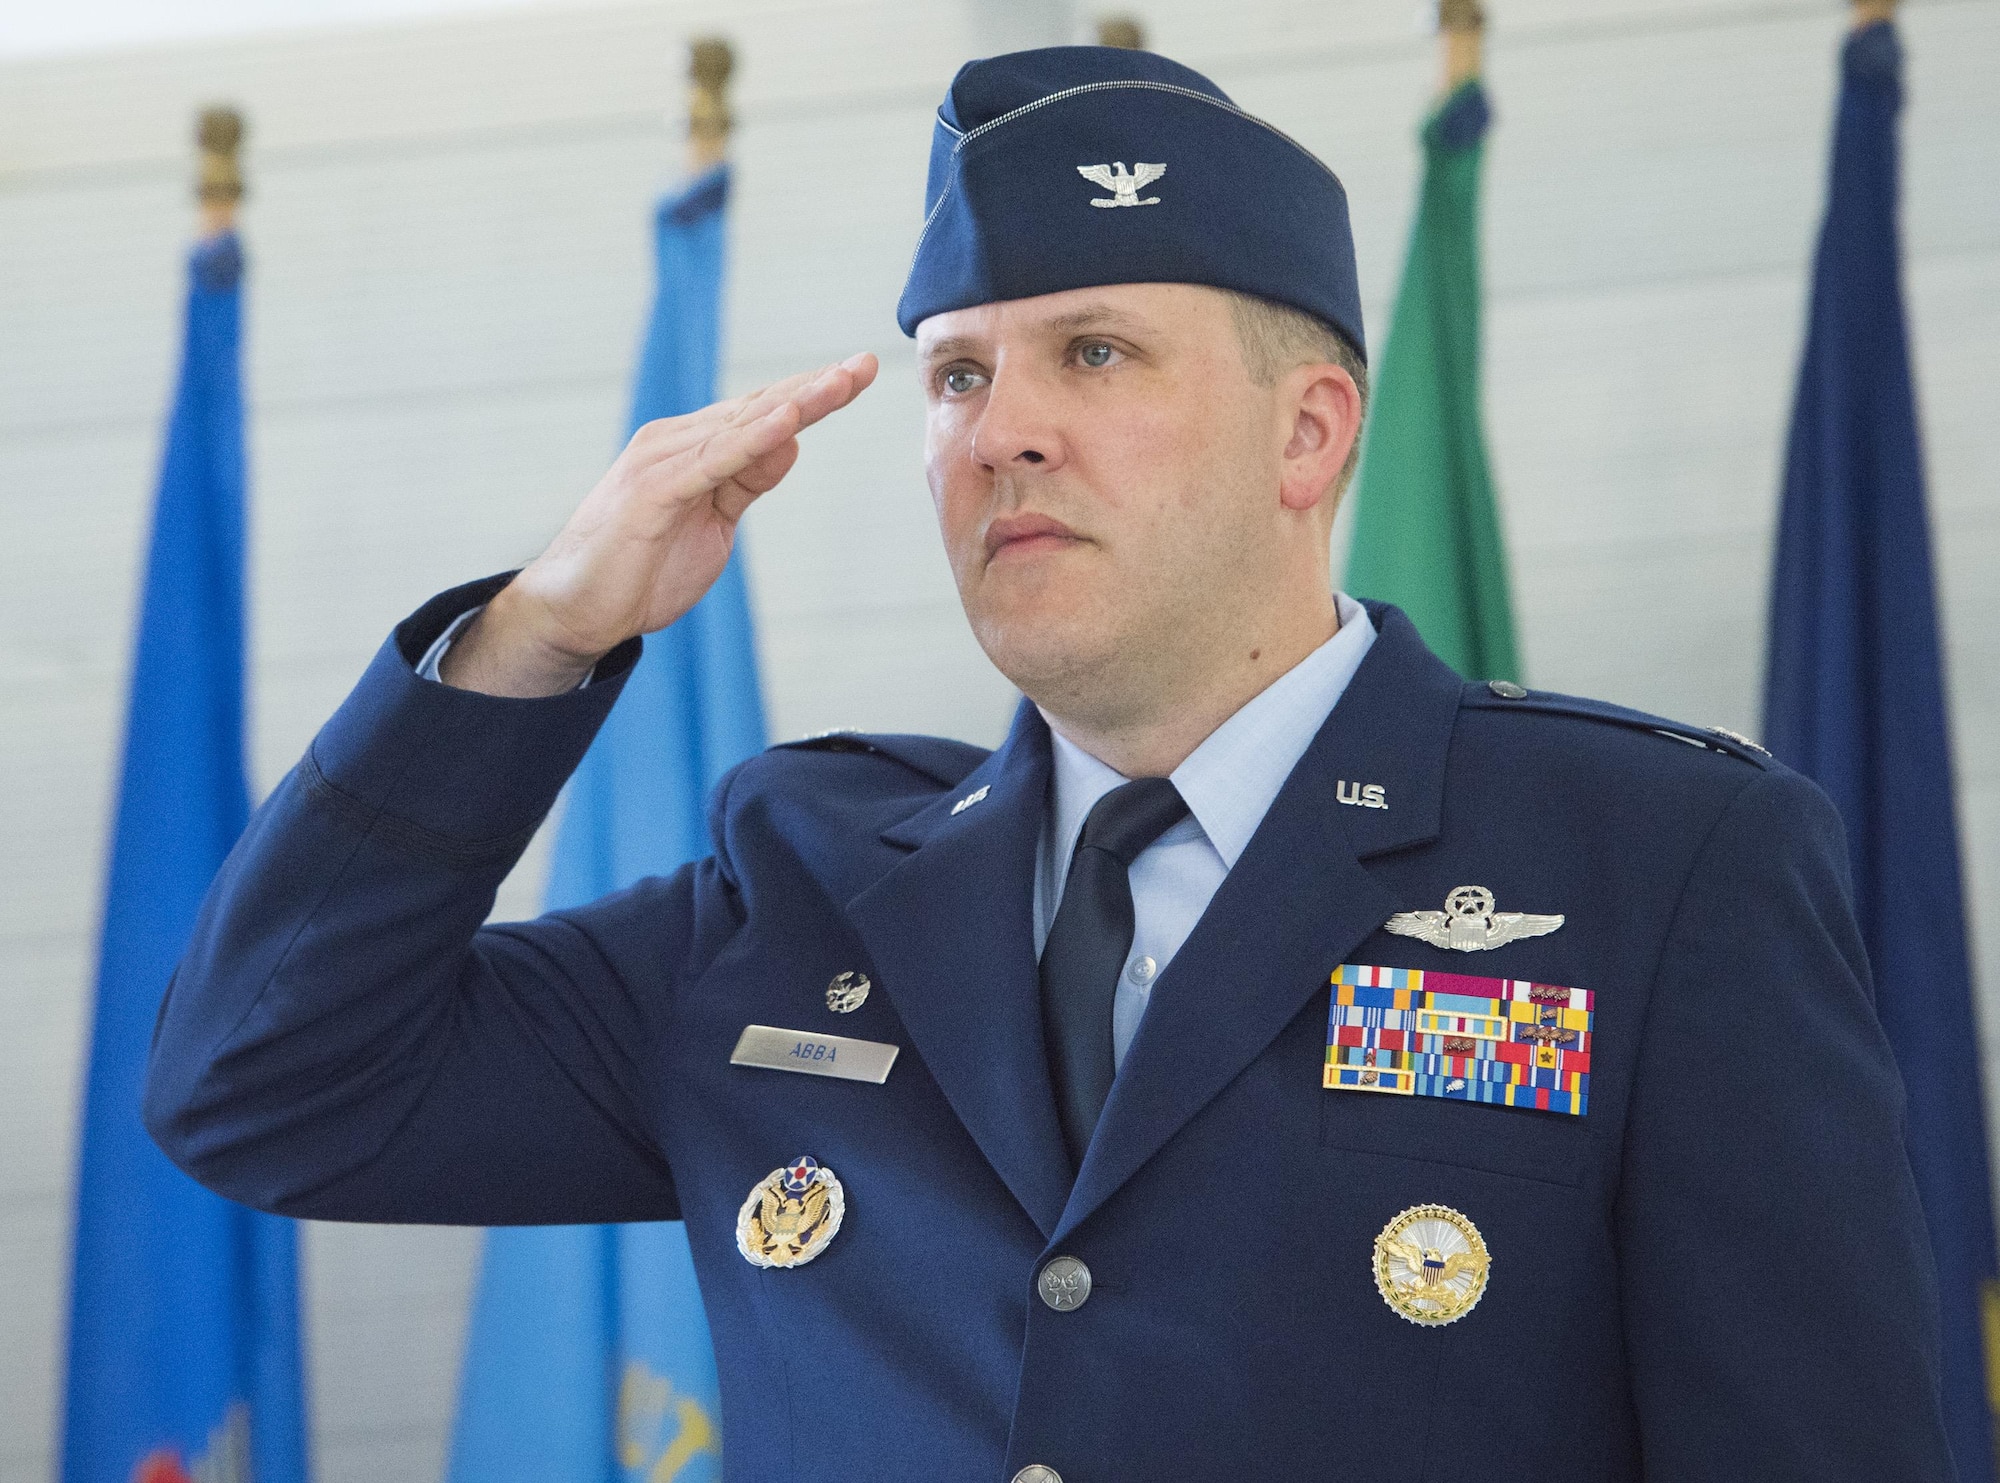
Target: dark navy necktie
pixel 1087 944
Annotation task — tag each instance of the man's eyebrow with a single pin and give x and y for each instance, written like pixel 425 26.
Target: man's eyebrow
pixel 1076 322
pixel 1096 317
pixel 949 346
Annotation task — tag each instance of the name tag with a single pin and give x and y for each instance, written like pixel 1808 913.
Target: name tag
pixel 816 1055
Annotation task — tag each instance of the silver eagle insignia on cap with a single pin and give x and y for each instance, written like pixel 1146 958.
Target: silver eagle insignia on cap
pixel 1124 188
pixel 1469 924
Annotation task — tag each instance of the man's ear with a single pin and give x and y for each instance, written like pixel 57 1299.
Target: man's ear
pixel 1320 411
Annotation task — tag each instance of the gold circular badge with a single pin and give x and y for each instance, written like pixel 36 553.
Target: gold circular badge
pixel 791 1215
pixel 1431 1265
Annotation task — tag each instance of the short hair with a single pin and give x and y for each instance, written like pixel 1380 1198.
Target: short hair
pixel 1276 338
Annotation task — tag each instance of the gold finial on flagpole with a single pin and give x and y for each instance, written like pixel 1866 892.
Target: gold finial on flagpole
pixel 710 61
pixel 1868 12
pixel 1462 28
pixel 219 176
pixel 1121 31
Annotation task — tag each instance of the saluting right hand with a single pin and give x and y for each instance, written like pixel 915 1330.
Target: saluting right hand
pixel 649 540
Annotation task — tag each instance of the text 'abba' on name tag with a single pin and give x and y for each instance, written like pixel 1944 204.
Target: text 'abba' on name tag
pixel 816 1055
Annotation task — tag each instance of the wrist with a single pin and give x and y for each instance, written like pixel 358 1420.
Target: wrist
pixel 511 650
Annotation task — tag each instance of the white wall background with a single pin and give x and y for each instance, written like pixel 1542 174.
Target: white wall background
pixel 449 264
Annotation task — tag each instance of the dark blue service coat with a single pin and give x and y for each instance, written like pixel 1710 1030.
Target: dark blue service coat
pixel 1719 1271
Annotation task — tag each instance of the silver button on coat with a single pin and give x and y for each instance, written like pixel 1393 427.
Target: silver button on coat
pixel 1064 1283
pixel 1036 1472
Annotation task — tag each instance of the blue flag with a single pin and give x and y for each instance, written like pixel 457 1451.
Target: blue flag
pixel 588 1356
pixel 1854 698
pixel 184 1326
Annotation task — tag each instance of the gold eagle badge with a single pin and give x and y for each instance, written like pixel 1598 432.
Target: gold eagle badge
pixel 791 1215
pixel 1431 1265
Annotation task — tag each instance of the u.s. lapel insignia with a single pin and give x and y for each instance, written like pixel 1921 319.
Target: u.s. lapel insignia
pixel 1469 924
pixel 1431 1265
pixel 791 1215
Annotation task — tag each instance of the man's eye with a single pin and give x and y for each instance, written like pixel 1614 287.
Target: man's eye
pixel 1096 355
pixel 958 380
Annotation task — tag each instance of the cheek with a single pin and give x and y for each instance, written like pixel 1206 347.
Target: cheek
pixel 1218 442
pixel 1193 505
pixel 1154 465
pixel 957 489
pixel 1164 429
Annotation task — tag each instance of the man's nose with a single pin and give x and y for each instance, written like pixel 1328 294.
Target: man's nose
pixel 1018 425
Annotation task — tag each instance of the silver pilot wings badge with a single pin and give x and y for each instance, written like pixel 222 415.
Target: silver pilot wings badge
pixel 1469 924
pixel 1124 188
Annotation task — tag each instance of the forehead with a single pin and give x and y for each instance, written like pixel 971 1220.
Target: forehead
pixel 1160 311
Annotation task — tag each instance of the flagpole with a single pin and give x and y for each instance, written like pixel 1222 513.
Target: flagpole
pixel 1122 31
pixel 183 1350
pixel 1462 38
pixel 219 179
pixel 1426 528
pixel 1855 698
pixel 559 1310
pixel 710 63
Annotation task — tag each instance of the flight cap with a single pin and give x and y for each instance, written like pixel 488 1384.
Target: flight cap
pixel 1077 166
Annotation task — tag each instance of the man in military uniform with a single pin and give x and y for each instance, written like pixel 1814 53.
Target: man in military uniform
pixel 1280 1058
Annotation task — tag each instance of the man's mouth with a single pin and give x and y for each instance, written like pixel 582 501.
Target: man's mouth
pixel 1026 534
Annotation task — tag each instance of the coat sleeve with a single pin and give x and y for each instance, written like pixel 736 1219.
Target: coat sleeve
pixel 344 1040
pixel 1780 1302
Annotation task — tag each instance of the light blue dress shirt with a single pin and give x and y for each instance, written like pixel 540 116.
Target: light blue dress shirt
pixel 1229 782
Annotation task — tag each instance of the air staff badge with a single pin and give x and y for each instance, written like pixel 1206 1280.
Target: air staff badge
pixel 791 1215
pixel 1431 1265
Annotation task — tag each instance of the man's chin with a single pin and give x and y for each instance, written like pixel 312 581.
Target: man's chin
pixel 1049 657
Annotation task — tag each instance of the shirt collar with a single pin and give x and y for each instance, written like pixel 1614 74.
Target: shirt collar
pixel 1232 778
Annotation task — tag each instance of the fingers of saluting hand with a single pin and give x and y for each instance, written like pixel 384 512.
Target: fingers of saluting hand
pixel 834 388
pixel 732 496
pixel 815 393
pixel 727 464
pixel 737 460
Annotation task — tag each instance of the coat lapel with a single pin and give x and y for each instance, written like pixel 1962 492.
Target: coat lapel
pixel 1296 904
pixel 950 928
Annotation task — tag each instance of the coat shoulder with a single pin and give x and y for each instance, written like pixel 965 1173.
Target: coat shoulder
pixel 839 784
pixel 940 760
pixel 1577 724
pixel 825 801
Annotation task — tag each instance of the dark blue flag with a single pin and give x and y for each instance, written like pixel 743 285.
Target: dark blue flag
pixel 588 1359
pixel 1854 698
pixel 184 1331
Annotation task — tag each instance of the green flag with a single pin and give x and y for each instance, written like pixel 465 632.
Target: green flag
pixel 1426 531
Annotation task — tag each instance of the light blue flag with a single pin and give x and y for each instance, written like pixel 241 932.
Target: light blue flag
pixel 184 1325
pixel 588 1358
